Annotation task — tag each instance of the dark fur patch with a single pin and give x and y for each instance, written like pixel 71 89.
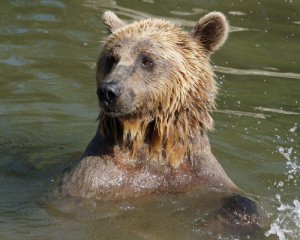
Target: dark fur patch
pixel 240 210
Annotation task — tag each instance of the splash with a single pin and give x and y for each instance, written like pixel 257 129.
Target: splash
pixel 293 168
pixel 286 225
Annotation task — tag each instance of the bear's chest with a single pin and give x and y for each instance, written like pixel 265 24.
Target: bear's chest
pixel 96 178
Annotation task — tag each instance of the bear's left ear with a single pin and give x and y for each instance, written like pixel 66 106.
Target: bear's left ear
pixel 211 31
pixel 112 22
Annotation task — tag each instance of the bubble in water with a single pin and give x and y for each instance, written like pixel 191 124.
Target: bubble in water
pixel 280 184
pixel 293 129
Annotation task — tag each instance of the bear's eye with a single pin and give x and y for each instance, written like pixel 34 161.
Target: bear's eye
pixel 147 61
pixel 110 62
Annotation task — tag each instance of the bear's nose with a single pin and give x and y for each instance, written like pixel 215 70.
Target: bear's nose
pixel 108 93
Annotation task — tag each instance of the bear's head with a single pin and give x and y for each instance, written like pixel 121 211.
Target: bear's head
pixel 155 81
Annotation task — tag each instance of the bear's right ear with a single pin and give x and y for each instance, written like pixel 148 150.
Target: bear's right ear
pixel 211 31
pixel 111 21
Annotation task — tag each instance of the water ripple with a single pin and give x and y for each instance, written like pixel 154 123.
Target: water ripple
pixel 38 17
pixel 139 15
pixel 276 111
pixel 256 72
pixel 242 113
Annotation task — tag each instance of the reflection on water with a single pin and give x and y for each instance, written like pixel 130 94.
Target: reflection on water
pixel 48 112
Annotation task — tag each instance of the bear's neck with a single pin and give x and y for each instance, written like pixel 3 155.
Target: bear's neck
pixel 168 144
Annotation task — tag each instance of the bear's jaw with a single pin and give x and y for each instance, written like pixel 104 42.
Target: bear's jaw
pixel 126 113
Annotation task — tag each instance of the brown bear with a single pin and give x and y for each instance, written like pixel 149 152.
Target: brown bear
pixel 156 90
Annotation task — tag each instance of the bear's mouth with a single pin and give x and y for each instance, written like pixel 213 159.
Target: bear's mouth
pixel 120 113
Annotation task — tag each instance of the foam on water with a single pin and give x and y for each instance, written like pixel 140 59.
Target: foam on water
pixel 287 223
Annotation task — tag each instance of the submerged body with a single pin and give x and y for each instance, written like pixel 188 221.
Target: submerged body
pixel 156 89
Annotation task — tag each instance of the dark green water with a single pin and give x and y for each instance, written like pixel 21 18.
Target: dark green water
pixel 48 111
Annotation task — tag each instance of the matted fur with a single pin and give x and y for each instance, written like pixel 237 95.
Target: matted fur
pixel 152 130
pixel 181 110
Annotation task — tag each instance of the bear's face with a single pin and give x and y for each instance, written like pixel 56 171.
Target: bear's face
pixel 130 73
pixel 149 66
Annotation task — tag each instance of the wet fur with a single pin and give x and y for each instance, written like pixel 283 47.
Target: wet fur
pixel 156 141
pixel 181 110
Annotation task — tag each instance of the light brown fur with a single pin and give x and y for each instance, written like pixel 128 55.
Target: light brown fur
pixel 156 89
pixel 156 141
pixel 182 111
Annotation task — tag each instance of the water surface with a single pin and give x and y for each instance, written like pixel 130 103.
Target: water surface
pixel 48 111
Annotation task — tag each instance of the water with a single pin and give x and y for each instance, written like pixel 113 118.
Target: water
pixel 48 111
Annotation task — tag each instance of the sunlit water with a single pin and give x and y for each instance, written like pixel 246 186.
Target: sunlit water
pixel 48 111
